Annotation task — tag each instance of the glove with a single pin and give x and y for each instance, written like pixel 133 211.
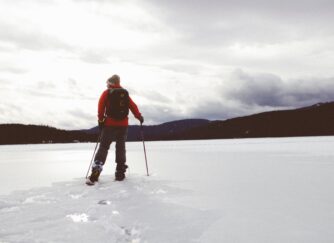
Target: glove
pixel 101 124
pixel 141 119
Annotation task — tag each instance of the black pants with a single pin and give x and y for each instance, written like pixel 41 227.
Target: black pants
pixel 110 134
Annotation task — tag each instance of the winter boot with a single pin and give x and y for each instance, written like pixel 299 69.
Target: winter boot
pixel 96 171
pixel 120 172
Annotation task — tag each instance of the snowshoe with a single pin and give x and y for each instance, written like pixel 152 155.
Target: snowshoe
pixel 89 182
pixel 94 177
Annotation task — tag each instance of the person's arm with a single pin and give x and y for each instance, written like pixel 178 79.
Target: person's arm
pixel 102 106
pixel 135 111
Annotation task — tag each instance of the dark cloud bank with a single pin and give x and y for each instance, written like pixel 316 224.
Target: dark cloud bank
pixel 269 90
pixel 244 93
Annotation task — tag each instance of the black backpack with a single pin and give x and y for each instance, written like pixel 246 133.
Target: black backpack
pixel 119 100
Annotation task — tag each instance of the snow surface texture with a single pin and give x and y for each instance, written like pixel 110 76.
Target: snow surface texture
pixel 135 210
pixel 242 190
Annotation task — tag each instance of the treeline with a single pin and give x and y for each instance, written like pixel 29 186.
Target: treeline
pixel 25 134
pixel 316 120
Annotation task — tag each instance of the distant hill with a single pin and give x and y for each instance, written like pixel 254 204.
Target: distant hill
pixel 316 120
pixel 165 130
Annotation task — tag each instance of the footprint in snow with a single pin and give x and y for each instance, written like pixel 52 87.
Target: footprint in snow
pixel 104 202
pixel 6 207
pixel 40 199
pixel 131 234
pixel 159 191
pixel 9 209
pixel 78 218
pixel 76 196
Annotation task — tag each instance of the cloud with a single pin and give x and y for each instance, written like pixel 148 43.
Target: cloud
pixel 237 94
pixel 72 83
pixel 156 114
pixel 243 93
pixel 4 82
pixel 77 118
pixel 263 21
pixel 283 37
pixel 76 91
pixel 216 110
pixel 13 70
pixel 93 56
pixel 269 90
pixel 66 91
pixel 45 85
pixel 154 96
pixel 27 37
pixel 9 112
pixel 80 114
pixel 183 67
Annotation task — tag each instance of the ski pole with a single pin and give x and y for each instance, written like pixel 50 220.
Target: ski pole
pixel 142 136
pixel 90 165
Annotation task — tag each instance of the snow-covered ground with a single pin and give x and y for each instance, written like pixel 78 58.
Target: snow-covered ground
pixel 241 190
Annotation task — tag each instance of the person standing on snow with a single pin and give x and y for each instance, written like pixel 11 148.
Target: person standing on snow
pixel 113 110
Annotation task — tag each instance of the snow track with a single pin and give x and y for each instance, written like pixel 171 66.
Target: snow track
pixel 137 210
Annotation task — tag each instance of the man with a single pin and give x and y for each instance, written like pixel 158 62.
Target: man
pixel 113 109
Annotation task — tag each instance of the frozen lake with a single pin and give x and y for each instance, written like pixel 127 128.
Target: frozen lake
pixel 242 190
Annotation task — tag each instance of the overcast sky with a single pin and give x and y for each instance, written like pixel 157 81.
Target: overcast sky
pixel 179 59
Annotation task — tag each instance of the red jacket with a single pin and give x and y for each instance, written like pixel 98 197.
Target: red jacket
pixel 103 106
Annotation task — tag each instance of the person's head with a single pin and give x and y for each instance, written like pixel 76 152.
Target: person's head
pixel 113 80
